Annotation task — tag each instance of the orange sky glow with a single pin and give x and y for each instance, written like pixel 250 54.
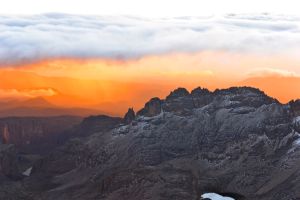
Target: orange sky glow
pixel 114 85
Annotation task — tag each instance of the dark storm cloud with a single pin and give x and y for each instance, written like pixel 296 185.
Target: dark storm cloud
pixel 54 35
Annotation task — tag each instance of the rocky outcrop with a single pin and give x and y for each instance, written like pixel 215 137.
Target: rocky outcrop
pixel 236 142
pixel 295 106
pixel 94 124
pixel 179 92
pixel 129 116
pixel 181 102
pixel 201 97
pixel 35 134
pixel 8 162
pixel 152 108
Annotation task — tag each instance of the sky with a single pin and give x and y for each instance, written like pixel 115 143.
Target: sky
pixel 113 54
pixel 154 8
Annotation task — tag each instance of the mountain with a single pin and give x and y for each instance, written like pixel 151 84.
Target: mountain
pixel 24 140
pixel 8 163
pixel 35 102
pixel 47 112
pixel 39 135
pixel 283 87
pixel 39 107
pixel 93 124
pixel 35 134
pixel 109 96
pixel 236 142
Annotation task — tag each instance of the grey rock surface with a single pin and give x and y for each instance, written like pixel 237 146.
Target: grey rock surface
pixel 236 141
pixel 129 116
pixel 35 134
pixel 152 108
pixel 8 162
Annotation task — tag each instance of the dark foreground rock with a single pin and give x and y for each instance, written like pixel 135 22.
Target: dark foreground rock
pixel 236 141
pixel 35 134
pixel 129 116
pixel 94 124
pixel 9 168
pixel 152 108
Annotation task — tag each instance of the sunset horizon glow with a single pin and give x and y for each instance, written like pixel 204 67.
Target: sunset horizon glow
pixel 104 83
pixel 110 63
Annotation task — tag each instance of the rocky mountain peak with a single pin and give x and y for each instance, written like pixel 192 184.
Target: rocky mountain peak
pixel 240 90
pixel 179 92
pixel 129 116
pixel 295 105
pixel 152 107
pixel 200 91
pixel 97 123
pixel 236 142
pixel 182 102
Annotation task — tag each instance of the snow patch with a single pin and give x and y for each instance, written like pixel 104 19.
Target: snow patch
pixel 27 172
pixel 297 141
pixel 296 144
pixel 297 120
pixel 214 196
pixel 147 119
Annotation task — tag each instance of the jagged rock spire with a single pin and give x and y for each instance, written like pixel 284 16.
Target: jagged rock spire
pixel 129 116
pixel 200 91
pixel 179 92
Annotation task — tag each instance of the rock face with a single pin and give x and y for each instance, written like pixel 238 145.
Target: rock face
pixel 32 134
pixel 295 105
pixel 8 162
pixel 94 124
pixel 152 108
pixel 179 92
pixel 129 116
pixel 236 142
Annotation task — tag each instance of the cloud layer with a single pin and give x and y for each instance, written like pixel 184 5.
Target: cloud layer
pixel 31 38
pixel 267 72
pixel 25 94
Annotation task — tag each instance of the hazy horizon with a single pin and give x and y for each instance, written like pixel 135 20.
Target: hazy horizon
pixel 110 56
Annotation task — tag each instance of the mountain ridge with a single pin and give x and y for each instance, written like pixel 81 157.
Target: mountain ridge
pixel 237 141
pixel 40 107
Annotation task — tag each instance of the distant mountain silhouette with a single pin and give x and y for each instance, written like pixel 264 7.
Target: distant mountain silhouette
pixel 43 112
pixel 32 102
pixel 36 102
pixel 40 107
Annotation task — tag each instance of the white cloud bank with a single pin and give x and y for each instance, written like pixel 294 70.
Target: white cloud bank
pixel 30 38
